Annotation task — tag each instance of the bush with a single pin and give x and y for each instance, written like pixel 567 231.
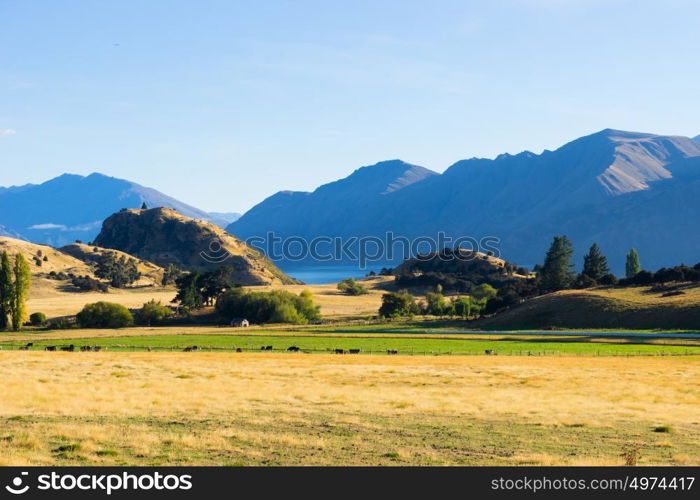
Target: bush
pixel 352 287
pixel 608 279
pixel 436 304
pixel 37 319
pixel 88 284
pixel 397 304
pixel 120 272
pixel 105 315
pixel 277 306
pixel 153 313
pixel 584 281
pixel 60 324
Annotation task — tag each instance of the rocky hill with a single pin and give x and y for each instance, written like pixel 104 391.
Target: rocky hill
pixel 164 236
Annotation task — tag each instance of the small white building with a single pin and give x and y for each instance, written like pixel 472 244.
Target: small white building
pixel 240 322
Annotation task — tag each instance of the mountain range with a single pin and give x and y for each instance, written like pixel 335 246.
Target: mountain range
pixel 616 188
pixel 72 207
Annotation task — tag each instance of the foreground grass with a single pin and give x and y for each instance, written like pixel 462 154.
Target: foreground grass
pixel 245 409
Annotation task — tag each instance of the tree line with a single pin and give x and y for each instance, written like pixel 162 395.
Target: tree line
pixel 556 273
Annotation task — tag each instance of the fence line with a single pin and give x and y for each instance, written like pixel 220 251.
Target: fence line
pixel 412 352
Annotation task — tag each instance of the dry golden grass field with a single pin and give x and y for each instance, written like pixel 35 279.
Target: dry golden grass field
pixel 207 408
pixel 47 296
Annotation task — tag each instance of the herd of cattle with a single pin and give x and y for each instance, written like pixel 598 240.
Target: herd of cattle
pixel 194 348
pixel 68 348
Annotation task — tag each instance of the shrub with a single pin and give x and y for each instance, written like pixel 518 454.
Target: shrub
pixel 105 315
pixel 397 304
pixel 436 304
pixel 88 284
pixel 584 281
pixel 277 306
pixel 352 287
pixel 120 272
pixel 153 313
pixel 37 319
pixel 60 324
pixel 608 279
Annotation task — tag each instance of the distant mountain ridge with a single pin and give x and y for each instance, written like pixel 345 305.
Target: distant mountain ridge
pixel 72 207
pixel 332 206
pixel 619 189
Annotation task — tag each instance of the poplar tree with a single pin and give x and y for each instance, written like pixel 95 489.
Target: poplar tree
pixel 632 266
pixel 5 289
pixel 20 290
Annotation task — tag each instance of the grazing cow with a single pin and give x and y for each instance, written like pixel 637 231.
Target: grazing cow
pixel 340 351
pixel 191 348
pixel 266 348
pixel 392 351
pixel 30 344
pixel 85 348
pixel 490 352
pixel 238 349
pixel 354 351
pixel 70 348
pixel 50 348
pixel 293 348
pixel 97 348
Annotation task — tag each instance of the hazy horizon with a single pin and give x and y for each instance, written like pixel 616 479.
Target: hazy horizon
pixel 197 100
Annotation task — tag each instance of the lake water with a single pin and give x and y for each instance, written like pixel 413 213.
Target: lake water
pixel 324 274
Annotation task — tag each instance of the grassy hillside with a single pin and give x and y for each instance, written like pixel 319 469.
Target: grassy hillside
pixel 609 307
pixel 151 273
pixel 55 259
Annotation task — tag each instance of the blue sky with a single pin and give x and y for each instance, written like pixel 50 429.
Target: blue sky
pixel 223 103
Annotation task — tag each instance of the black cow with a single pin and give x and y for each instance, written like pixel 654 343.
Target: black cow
pixel 50 348
pixel 293 349
pixel 340 351
pixel 354 351
pixel 392 351
pixel 70 348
